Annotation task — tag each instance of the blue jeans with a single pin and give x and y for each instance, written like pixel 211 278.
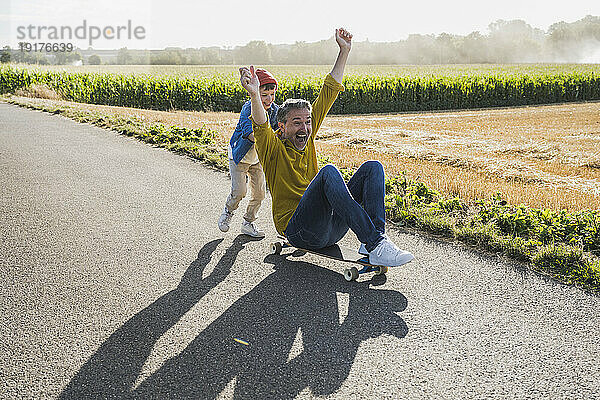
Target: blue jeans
pixel 328 208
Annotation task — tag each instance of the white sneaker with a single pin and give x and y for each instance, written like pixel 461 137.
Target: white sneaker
pixel 225 220
pixel 389 255
pixel 248 228
pixel 363 250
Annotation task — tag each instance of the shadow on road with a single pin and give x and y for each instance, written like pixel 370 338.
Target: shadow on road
pixel 297 297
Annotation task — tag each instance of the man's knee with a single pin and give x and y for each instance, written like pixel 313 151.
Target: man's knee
pixel 373 166
pixel 331 171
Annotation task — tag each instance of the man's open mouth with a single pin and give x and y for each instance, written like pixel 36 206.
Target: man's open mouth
pixel 301 137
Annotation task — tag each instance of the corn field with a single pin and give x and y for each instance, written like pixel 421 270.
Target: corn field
pixel 368 89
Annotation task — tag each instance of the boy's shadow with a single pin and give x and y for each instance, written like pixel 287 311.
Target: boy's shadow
pixel 112 370
pixel 298 296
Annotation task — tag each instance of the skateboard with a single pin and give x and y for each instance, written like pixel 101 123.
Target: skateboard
pixel 339 253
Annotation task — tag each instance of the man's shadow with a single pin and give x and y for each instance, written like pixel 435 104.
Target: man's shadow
pixel 296 297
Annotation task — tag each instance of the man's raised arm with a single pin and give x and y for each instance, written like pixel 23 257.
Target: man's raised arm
pixel 344 40
pixel 333 83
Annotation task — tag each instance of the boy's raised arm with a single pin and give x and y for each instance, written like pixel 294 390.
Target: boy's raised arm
pixel 262 133
pixel 251 83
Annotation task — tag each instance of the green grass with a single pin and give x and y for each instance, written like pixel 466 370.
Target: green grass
pixel 563 245
pixel 286 72
pixel 368 88
pixel 197 143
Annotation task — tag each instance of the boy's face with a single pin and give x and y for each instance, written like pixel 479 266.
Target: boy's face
pixel 267 97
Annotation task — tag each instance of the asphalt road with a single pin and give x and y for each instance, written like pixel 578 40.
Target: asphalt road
pixel 117 283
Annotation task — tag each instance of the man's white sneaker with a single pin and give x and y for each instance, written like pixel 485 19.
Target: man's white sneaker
pixel 388 254
pixel 363 250
pixel 225 220
pixel 248 228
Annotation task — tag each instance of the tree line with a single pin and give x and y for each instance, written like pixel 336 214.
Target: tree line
pixel 505 42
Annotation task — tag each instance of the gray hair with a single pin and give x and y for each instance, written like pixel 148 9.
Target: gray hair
pixel 288 105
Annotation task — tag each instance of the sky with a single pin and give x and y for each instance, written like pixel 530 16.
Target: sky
pixel 228 23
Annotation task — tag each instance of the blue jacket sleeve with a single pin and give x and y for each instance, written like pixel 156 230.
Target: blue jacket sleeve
pixel 273 116
pixel 240 144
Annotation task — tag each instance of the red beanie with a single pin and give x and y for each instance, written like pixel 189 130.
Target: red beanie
pixel 265 77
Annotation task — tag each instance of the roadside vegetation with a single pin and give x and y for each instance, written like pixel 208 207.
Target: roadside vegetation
pixel 561 244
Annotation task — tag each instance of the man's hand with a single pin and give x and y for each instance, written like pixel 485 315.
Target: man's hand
pixel 249 80
pixel 343 39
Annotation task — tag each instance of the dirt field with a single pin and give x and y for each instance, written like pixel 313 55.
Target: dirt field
pixel 542 156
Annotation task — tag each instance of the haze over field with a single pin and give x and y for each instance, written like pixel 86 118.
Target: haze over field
pixel 426 32
pixel 226 22
pixel 504 42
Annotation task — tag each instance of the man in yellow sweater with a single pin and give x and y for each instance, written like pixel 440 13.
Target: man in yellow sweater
pixel 315 208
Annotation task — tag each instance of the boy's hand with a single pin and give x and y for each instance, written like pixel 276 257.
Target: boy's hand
pixel 249 80
pixel 343 39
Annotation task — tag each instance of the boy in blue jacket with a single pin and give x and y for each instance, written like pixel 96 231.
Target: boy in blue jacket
pixel 243 161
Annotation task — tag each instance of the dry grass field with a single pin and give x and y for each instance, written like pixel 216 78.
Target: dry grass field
pixel 541 156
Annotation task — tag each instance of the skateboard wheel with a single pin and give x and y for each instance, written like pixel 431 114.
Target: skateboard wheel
pixel 351 274
pixel 276 247
pixel 382 270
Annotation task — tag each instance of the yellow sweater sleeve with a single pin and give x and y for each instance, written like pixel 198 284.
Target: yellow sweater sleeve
pixel 266 140
pixel 324 101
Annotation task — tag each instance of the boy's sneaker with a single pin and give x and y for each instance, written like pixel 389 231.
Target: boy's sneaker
pixel 248 228
pixel 225 220
pixel 389 255
pixel 363 250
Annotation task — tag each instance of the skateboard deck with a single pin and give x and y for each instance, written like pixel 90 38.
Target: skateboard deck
pixel 339 253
